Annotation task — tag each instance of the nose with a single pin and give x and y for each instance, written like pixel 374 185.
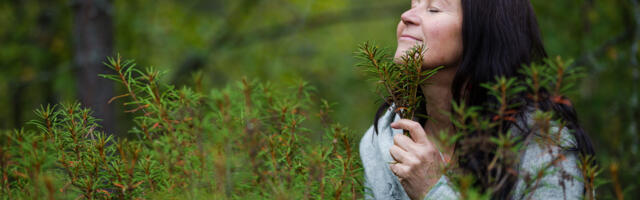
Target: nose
pixel 409 17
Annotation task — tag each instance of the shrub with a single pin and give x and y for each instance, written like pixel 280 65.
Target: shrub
pixel 245 141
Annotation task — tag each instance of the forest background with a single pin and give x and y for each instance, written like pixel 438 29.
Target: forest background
pixel 52 51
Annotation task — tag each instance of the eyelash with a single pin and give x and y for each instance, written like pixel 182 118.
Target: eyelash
pixel 433 10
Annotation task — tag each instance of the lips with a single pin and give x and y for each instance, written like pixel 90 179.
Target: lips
pixel 410 37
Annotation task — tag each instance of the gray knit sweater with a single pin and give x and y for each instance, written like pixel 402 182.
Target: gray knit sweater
pixel 381 183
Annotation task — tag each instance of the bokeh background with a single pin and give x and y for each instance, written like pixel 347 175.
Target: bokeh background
pixel 52 51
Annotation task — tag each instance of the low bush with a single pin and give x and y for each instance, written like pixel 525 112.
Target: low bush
pixel 246 141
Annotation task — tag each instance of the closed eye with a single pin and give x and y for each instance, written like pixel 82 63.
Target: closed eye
pixel 433 10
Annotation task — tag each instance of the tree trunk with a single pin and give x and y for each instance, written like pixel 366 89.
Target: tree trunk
pixel 93 42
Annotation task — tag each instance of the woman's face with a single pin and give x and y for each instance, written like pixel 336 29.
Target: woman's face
pixel 437 24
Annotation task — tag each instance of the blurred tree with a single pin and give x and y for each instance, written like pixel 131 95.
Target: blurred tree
pixel 33 57
pixel 93 42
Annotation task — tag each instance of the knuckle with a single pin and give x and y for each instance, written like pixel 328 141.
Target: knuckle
pixel 427 148
pixel 427 153
pixel 403 170
pixel 415 125
pixel 423 157
pixel 401 137
pixel 399 171
pixel 396 137
pixel 393 150
pixel 397 148
pixel 413 162
pixel 394 169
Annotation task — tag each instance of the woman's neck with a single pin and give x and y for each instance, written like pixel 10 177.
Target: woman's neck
pixel 437 93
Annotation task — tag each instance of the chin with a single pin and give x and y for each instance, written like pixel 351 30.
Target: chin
pixel 400 51
pixel 397 58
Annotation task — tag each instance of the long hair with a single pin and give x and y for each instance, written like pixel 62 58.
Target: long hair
pixel 499 36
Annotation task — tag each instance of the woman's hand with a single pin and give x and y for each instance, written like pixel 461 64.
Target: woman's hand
pixel 418 162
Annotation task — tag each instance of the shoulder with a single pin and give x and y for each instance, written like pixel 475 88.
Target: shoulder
pixel 537 129
pixel 548 163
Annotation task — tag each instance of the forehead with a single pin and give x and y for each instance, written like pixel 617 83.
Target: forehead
pixel 447 2
pixel 441 2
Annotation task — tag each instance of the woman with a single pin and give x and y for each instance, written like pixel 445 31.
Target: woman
pixel 475 41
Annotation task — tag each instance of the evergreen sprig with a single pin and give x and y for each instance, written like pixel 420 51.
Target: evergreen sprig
pixel 398 84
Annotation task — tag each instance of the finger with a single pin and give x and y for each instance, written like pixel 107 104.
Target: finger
pixel 404 142
pixel 414 128
pixel 401 155
pixel 400 170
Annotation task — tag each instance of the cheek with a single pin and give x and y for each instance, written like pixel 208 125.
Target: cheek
pixel 444 43
pixel 399 29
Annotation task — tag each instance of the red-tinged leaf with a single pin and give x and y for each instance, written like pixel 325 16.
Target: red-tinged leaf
pixel 120 186
pixel 561 100
pixel 530 96
pixel 155 125
pixel 65 187
pixel 510 112
pixel 136 185
pixel 560 158
pixel 117 97
pixel 509 118
pixel 138 108
pixel 495 118
pixel 401 108
pixel 20 174
pixel 105 192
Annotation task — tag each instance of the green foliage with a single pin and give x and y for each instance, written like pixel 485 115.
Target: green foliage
pixel 248 140
pixel 280 41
